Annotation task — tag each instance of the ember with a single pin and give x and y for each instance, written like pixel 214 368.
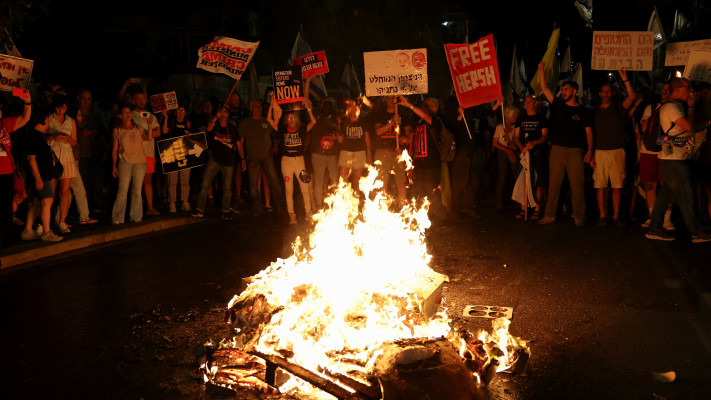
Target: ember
pixel 341 305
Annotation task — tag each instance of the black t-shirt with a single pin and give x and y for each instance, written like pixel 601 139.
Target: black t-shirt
pixel 424 142
pixel 291 144
pixel 223 143
pixel 34 144
pixel 388 139
pixel 176 129
pixel 531 128
pixel 354 135
pixel 322 137
pixel 567 125
pixel 610 127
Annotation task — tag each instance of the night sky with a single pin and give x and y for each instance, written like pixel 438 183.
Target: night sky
pixel 100 45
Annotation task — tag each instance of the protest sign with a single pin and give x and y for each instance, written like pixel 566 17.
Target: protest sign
pixel 678 52
pixel 395 72
pixel 183 152
pixel 613 50
pixel 698 66
pixel 15 72
pixel 164 102
pixel 312 64
pixel 226 56
pixel 287 85
pixel 475 71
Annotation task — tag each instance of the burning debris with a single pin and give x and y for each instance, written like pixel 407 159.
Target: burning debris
pixel 355 312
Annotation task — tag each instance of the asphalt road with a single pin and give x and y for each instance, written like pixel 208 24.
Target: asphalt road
pixel 603 307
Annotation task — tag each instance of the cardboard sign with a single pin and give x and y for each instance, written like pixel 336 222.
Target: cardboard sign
pixel 475 71
pixel 183 152
pixel 226 56
pixel 678 52
pixel 15 72
pixel 164 102
pixel 395 72
pixel 287 85
pixel 612 50
pixel 698 66
pixel 312 64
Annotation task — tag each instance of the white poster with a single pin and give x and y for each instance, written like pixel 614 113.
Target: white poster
pixel 698 66
pixel 226 56
pixel 612 50
pixel 395 72
pixel 15 72
pixel 678 52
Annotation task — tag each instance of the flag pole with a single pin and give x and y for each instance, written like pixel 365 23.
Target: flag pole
pixel 230 94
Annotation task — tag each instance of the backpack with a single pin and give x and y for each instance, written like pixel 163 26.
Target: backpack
pixel 650 135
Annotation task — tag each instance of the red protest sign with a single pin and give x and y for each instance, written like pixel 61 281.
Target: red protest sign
pixel 312 64
pixel 475 71
pixel 163 102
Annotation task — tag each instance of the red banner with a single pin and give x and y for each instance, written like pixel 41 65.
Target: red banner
pixel 312 64
pixel 475 71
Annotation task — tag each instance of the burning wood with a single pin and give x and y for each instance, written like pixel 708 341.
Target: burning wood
pixel 355 304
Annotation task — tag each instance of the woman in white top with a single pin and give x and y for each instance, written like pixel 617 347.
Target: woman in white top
pixel 62 136
pixel 506 157
pixel 129 166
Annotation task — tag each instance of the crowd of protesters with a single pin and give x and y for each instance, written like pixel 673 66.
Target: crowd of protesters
pixel 67 149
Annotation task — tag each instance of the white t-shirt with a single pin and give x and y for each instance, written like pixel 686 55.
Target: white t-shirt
pixel 503 138
pixel 149 147
pixel 670 112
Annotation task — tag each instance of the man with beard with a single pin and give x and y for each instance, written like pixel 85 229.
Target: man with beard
pixel 571 137
pixel 324 149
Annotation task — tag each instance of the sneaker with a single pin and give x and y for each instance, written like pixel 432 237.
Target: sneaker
pixel 197 214
pixel 18 221
pixel 88 221
pixel 29 235
pixel 660 235
pixel 62 227
pixel 668 225
pixel 51 237
pixel 172 208
pixel 269 208
pixel 186 206
pixel 701 237
pixel 235 210
pixel 39 230
pixel 292 218
pixel 646 223
pixel 546 220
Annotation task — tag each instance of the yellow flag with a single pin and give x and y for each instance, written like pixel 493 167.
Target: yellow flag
pixel 548 60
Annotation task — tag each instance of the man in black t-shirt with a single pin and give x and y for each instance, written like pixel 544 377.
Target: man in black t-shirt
pixel 571 137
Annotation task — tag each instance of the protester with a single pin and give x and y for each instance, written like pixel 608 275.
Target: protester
pixel 531 136
pixel 292 138
pixel 354 142
pixel 91 138
pixel 236 116
pixel 129 165
pixel 571 137
pixel 200 119
pixel 62 136
pixel 324 149
pixel 674 159
pixel 610 140
pixel 650 170
pixel 223 140
pixel 40 159
pixel 506 154
pixel 174 126
pixel 259 141
pixel 8 192
pixel 149 123
pixel 389 143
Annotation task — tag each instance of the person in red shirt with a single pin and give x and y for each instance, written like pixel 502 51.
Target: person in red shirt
pixel 9 125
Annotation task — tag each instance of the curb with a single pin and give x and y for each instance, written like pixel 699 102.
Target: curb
pixel 104 235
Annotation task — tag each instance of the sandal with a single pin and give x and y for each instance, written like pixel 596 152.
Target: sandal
pixel 520 215
pixel 536 215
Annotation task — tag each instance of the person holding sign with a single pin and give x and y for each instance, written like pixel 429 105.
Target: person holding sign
pixel 292 137
pixel 222 142
pixel 388 140
pixel 177 125
pixel 571 137
pixel 146 120
pixel 354 138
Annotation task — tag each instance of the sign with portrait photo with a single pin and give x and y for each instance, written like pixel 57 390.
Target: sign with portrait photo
pixel 395 72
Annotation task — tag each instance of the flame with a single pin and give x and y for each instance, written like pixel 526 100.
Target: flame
pixel 357 112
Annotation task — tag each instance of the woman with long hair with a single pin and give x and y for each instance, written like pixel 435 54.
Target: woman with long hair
pixel 62 137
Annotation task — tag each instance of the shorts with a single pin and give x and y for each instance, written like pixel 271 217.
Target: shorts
pixel 47 191
pixel 151 164
pixel 650 171
pixel 351 159
pixel 609 167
